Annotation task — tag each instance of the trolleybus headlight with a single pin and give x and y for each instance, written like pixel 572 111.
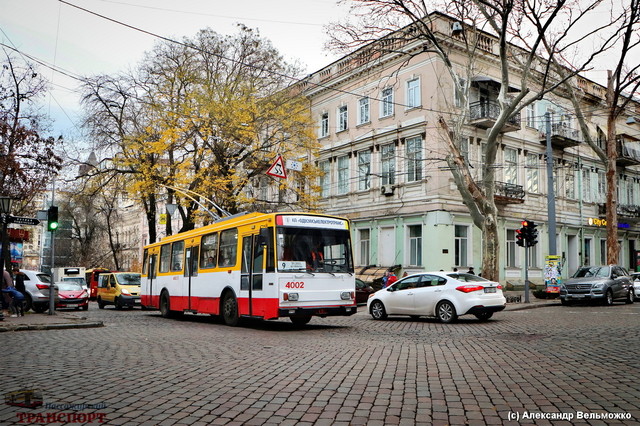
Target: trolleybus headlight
pixel 292 297
pixel 345 295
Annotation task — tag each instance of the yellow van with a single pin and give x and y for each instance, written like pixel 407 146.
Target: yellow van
pixel 119 288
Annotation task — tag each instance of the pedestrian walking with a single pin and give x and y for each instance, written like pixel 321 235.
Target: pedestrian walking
pixel 385 278
pixel 471 271
pixel 16 304
pixel 392 278
pixel 7 282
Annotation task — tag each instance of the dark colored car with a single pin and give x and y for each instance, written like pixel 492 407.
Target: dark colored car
pixel 598 283
pixel 363 290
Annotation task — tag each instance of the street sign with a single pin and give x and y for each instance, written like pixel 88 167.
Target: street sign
pixel 23 220
pixel 277 168
pixel 294 165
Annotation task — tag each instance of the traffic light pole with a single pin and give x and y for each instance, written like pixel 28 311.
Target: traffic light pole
pixel 52 302
pixel 526 273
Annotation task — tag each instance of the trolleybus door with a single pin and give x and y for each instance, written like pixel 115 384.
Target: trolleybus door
pixel 252 272
pixel 191 270
pixel 151 275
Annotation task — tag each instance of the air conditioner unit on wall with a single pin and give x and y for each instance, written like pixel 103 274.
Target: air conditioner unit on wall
pixel 387 190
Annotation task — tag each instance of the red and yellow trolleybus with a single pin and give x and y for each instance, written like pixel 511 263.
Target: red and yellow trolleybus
pixel 259 265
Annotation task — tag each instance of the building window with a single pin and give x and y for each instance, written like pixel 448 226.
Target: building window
pixel 414 159
pixel 570 184
pixel 531 115
pixel 587 251
pixel 388 164
pixel 464 149
pixel 342 118
pixel 415 245
pixel 511 248
pixel 602 187
pixel 533 173
pixel 533 257
pixel 603 251
pixel 325 178
pixel 461 243
pixel 364 170
pixel 343 174
pixel 365 244
pixel 386 106
pixel 363 111
pixel 511 166
pixel 457 98
pixel 324 125
pixel 413 93
pixel 586 185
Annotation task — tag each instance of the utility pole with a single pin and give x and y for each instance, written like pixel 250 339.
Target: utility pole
pixel 52 302
pixel 551 197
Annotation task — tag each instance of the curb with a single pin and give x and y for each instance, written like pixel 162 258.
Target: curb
pixel 59 326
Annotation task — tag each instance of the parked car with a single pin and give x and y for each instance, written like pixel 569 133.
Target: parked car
pixel 71 295
pixel 363 290
pixel 444 295
pixel 37 286
pixel 598 283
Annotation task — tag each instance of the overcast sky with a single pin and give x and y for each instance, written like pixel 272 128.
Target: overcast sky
pixel 84 44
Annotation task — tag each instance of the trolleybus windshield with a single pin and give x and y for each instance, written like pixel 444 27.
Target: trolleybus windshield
pixel 313 250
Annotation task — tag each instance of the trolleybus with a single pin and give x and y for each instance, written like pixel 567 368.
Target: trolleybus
pixel 259 265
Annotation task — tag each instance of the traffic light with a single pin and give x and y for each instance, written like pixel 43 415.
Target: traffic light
pixel 52 218
pixel 520 240
pixel 531 233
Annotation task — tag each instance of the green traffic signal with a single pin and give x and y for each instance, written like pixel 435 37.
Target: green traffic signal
pixel 52 218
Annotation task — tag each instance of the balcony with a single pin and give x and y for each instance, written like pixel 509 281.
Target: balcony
pixel 627 212
pixel 509 193
pixel 562 136
pixel 628 149
pixel 485 115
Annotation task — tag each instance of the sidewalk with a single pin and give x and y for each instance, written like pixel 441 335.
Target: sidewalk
pixel 60 320
pixel 515 301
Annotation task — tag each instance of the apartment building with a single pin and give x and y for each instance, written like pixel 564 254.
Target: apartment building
pixel 382 154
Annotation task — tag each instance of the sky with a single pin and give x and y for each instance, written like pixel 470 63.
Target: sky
pixel 84 44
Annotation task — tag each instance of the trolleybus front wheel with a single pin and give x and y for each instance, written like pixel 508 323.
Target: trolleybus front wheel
pixel 230 309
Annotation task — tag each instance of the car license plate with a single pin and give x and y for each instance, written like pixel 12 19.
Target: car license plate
pixel 489 289
pixel 72 305
pixel 578 296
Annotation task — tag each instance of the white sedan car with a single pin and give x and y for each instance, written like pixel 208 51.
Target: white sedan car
pixel 444 295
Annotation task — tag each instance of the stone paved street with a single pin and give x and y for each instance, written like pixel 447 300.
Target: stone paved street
pixel 519 367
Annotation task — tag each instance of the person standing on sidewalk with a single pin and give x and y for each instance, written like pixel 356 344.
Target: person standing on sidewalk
pixel 5 298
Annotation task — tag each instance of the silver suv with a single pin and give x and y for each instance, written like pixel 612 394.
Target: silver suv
pixel 37 286
pixel 600 283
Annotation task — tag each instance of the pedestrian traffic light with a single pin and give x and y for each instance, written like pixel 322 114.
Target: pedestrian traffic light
pixel 531 233
pixel 520 240
pixel 52 218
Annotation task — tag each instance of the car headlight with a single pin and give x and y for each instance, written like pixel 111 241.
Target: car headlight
pixel 598 285
pixel 125 292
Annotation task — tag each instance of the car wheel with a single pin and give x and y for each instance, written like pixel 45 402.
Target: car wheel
pixel 230 309
pixel 565 302
pixel 631 297
pixel 117 302
pixel 100 303
pixel 85 307
pixel 39 308
pixel 377 310
pixel 165 306
pixel 446 312
pixel 300 320
pixel 28 303
pixel 484 316
pixel 608 298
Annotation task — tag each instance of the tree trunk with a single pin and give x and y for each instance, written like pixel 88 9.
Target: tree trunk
pixel 613 248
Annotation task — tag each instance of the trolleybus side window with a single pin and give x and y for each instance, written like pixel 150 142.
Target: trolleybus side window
pixel 266 236
pixel 145 262
pixel 209 251
pixel 228 248
pixel 165 258
pixel 177 254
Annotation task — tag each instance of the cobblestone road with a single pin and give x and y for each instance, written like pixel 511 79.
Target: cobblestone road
pixel 528 366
